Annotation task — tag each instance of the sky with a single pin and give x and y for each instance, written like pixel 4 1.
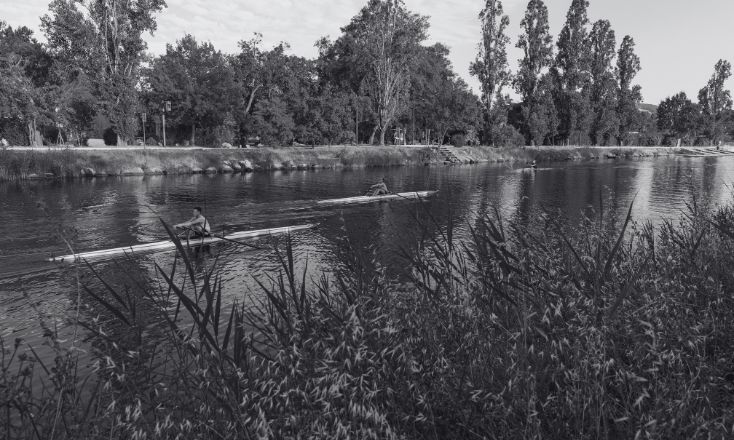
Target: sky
pixel 678 41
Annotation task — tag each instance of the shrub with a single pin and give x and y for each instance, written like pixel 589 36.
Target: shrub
pixel 508 136
pixel 458 140
pixel 110 136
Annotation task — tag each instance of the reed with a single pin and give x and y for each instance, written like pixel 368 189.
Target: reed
pixel 547 329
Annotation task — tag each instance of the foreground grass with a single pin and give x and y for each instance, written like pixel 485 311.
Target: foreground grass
pixel 550 330
pixel 21 164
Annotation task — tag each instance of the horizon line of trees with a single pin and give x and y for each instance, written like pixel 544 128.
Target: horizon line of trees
pixel 379 82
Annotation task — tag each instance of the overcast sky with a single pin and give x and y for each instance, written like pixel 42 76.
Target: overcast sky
pixel 678 41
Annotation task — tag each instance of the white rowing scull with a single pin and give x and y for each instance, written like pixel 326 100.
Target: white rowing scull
pixel 373 199
pixel 170 245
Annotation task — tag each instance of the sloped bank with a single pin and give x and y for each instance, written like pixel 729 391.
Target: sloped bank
pixel 79 162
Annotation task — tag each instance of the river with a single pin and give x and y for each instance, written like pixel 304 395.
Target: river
pixel 109 212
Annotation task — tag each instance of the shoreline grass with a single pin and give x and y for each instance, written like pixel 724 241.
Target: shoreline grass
pixel 75 163
pixel 603 329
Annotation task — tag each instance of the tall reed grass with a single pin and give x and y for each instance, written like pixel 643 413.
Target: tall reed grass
pixel 605 329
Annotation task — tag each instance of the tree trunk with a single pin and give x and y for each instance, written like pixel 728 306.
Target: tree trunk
pixel 193 134
pixel 372 136
pixel 382 138
pixel 34 137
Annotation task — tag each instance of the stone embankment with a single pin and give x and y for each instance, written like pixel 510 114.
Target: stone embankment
pixel 48 163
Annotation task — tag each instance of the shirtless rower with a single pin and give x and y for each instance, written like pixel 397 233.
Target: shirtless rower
pixel 197 227
pixel 378 189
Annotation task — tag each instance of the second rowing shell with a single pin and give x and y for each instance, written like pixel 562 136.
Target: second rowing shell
pixel 372 199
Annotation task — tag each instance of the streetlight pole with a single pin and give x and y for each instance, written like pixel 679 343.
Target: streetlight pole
pixel 145 119
pixel 166 108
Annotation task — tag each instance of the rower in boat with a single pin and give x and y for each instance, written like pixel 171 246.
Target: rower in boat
pixel 197 227
pixel 378 189
pixel 533 164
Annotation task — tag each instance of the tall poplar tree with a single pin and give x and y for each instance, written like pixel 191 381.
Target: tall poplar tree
pixel 605 125
pixel 536 43
pixel 491 67
pixel 628 65
pixel 571 70
pixel 715 100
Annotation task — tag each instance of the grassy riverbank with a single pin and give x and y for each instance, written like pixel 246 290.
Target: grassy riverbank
pixel 80 162
pixel 550 330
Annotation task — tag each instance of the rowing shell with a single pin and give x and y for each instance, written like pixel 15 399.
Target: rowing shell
pixel 170 245
pixel 371 199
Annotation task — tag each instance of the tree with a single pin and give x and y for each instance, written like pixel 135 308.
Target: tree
pixel 25 99
pixel 273 122
pixel 391 38
pixel 75 104
pixel 571 70
pixel 198 81
pixel 715 101
pixel 104 38
pixel 536 43
pixel 629 96
pixel 374 57
pixel 679 117
pixel 491 67
pixel 439 100
pixel 605 125
pixel 542 119
pixel 264 74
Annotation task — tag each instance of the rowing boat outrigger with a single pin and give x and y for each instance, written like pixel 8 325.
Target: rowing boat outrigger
pixel 170 245
pixel 373 199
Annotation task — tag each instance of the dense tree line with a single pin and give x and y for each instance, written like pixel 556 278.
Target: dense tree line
pixel 378 82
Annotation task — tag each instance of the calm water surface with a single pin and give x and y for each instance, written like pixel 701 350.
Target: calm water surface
pixel 110 212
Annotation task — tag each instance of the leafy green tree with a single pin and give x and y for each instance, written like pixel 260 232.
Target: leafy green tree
pixel 390 40
pixel 75 104
pixel 329 118
pixel 257 72
pixel 104 38
pixel 491 67
pixel 440 101
pixel 263 74
pixel 199 82
pixel 715 100
pixel 629 96
pixel 25 96
pixel 678 117
pixel 374 57
pixel 537 45
pixel 571 70
pixel 605 125
pixel 273 122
